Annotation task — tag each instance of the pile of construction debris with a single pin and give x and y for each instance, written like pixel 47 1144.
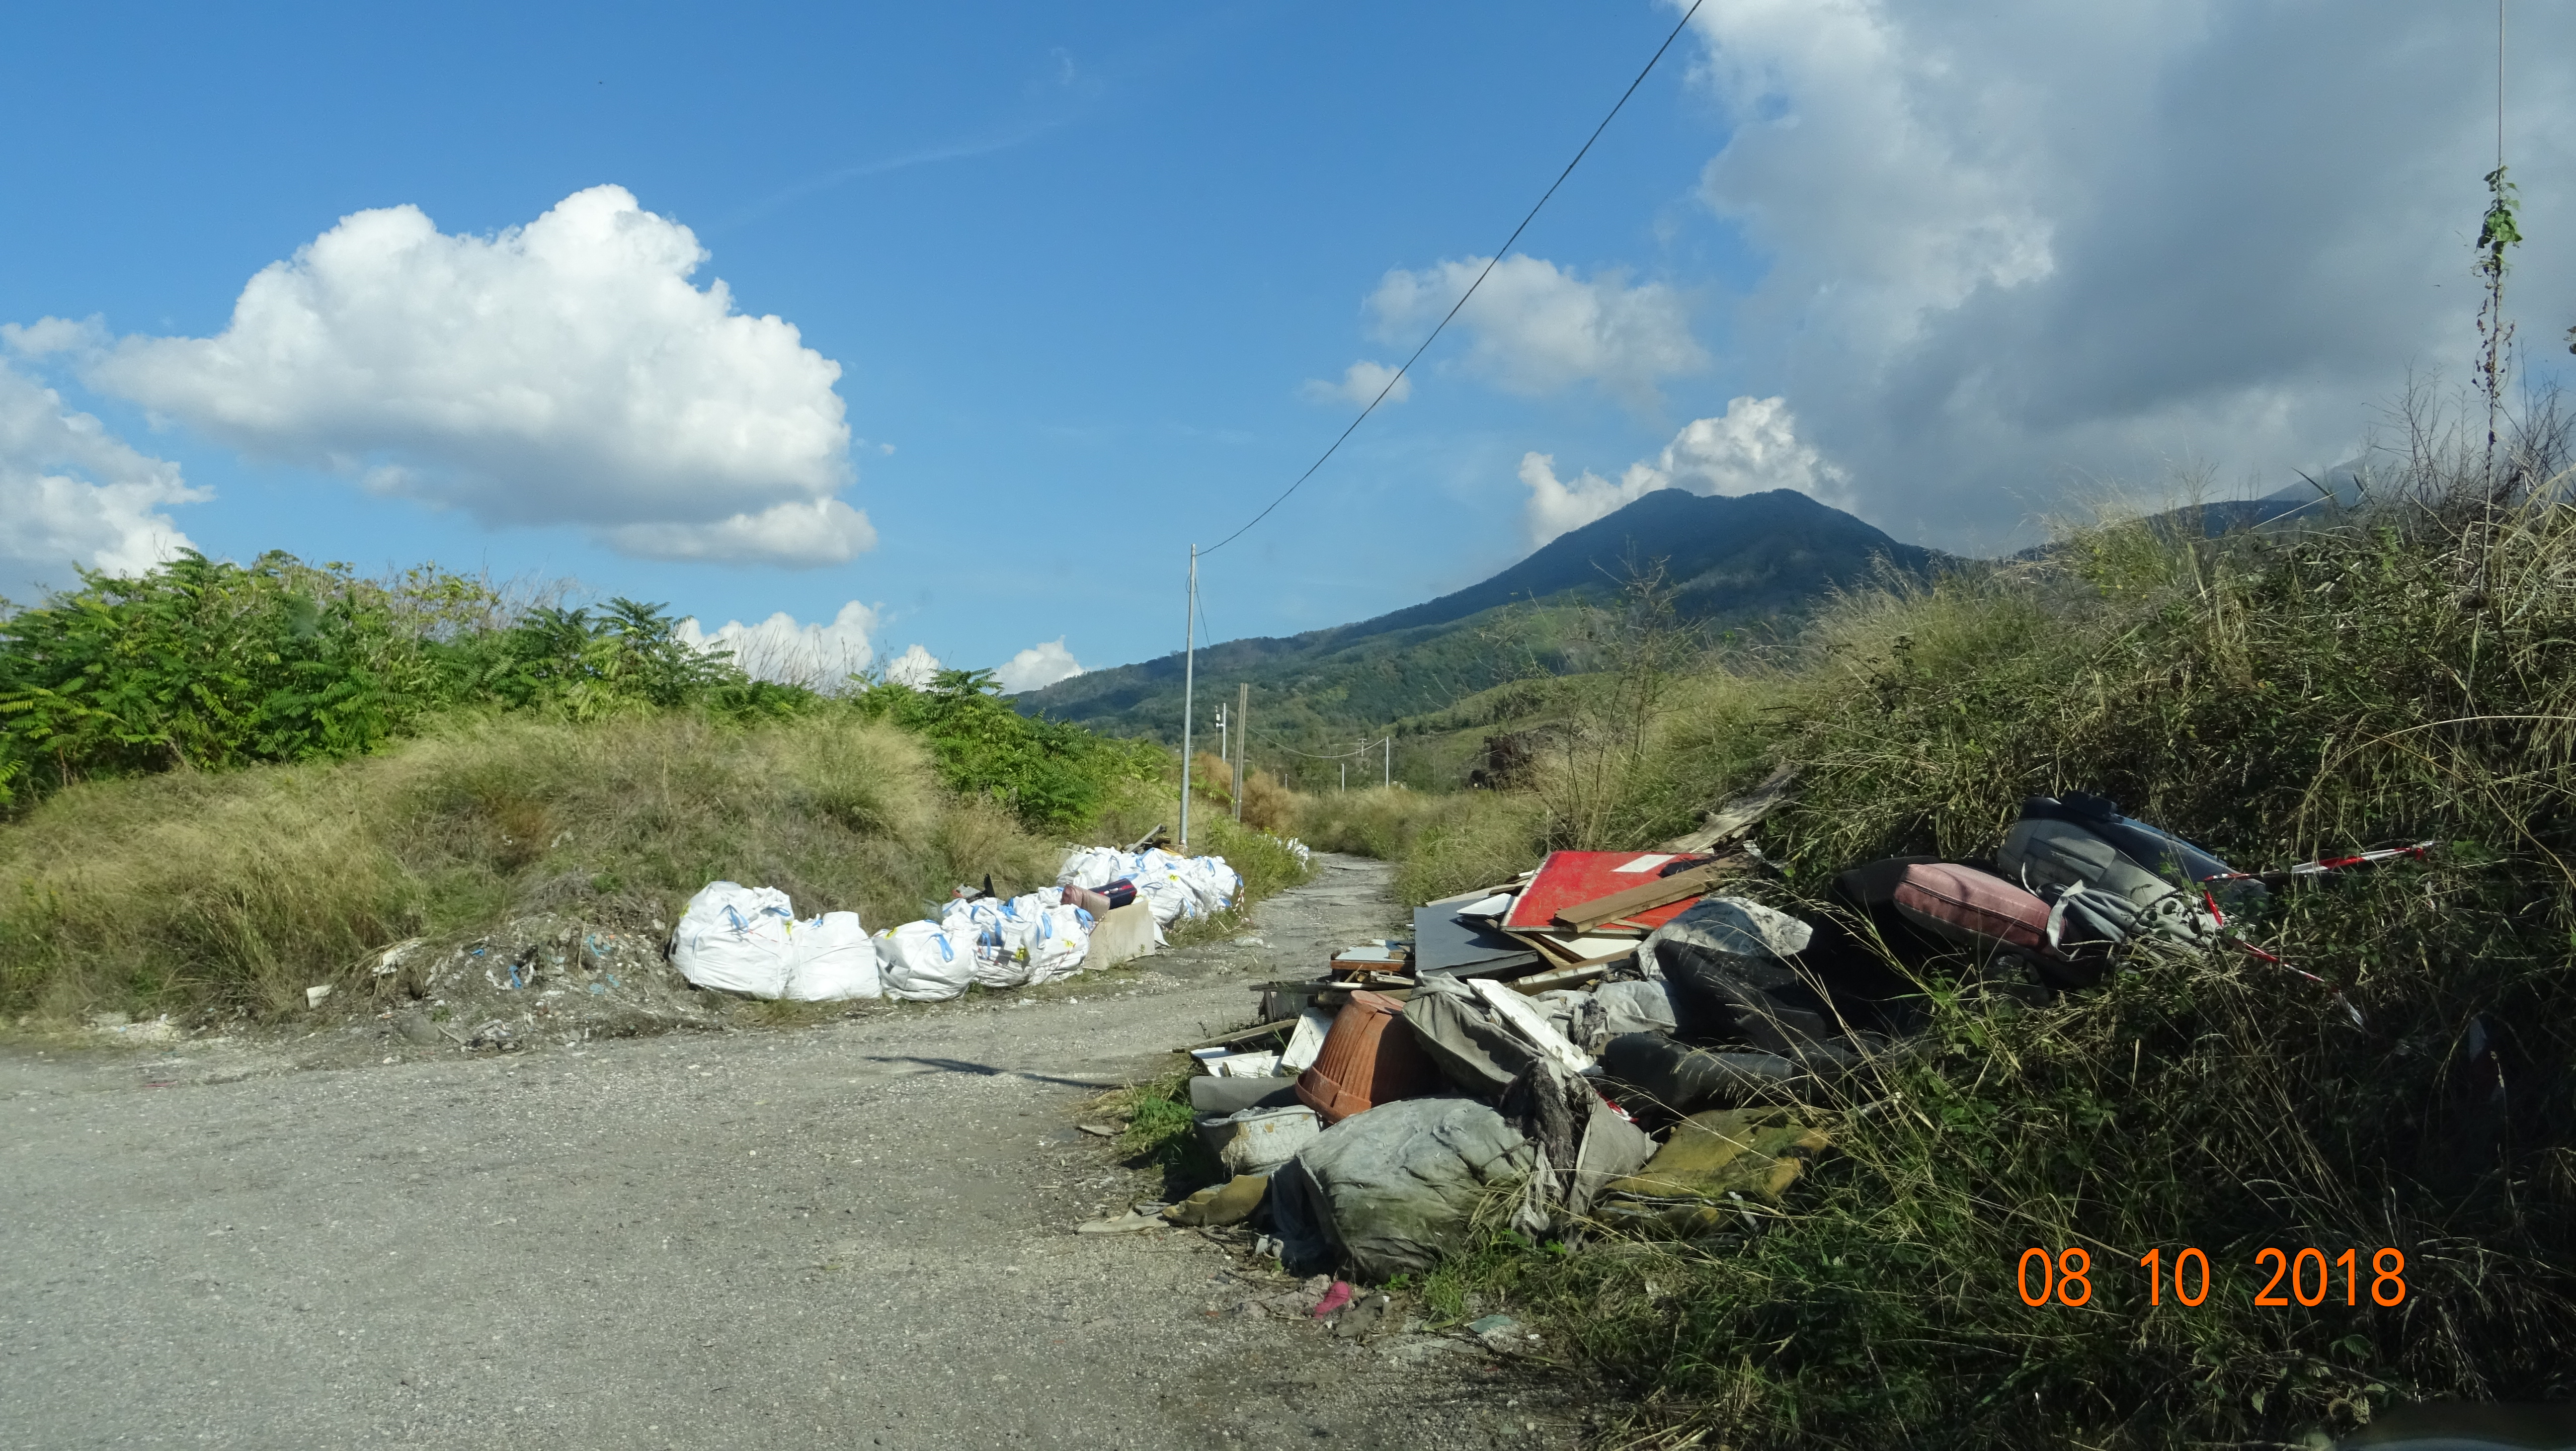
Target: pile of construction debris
pixel 1636 1042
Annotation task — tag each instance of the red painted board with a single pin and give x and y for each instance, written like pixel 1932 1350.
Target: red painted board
pixel 1572 878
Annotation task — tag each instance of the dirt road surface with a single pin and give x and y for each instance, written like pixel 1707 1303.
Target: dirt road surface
pixel 857 1234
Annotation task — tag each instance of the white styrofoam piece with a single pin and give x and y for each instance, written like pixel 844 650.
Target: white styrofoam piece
pixel 1517 1013
pixel 1307 1040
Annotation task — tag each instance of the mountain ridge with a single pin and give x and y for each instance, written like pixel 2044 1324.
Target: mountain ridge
pixel 1730 560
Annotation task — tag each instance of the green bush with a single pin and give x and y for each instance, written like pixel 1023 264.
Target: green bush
pixel 1055 775
pixel 204 665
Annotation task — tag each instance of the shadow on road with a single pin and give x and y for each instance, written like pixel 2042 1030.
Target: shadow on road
pixel 987 1070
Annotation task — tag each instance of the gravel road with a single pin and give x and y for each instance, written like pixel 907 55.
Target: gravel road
pixel 855 1234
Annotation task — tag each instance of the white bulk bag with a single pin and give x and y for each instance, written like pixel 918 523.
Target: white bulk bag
pixel 1216 884
pixel 924 962
pixel 977 916
pixel 835 959
pixel 1018 921
pixel 1062 940
pixel 1160 882
pixel 1093 867
pixel 1003 955
pixel 737 939
pixel 997 967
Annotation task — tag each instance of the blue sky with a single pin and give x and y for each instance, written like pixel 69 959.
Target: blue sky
pixel 1091 277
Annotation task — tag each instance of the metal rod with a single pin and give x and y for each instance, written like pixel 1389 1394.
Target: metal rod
pixel 1189 686
pixel 1242 742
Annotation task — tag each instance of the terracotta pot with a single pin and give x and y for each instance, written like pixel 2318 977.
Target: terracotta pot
pixel 1370 1057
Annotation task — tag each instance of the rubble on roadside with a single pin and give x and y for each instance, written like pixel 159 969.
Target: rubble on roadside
pixel 1631 1043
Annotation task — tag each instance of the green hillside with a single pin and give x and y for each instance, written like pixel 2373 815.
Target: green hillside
pixel 1731 563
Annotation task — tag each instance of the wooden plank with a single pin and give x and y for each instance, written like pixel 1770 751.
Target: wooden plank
pixel 1394 966
pixel 1734 818
pixel 1575 975
pixel 1245 1035
pixel 1563 977
pixel 1553 954
pixel 1662 891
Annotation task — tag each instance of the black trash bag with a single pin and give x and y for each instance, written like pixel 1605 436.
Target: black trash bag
pixel 1765 1002
pixel 1683 1080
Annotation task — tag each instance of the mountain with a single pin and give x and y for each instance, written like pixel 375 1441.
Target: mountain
pixel 1736 561
pixel 2329 497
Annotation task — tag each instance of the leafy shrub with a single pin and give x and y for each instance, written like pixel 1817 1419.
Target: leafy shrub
pixel 1054 775
pixel 203 665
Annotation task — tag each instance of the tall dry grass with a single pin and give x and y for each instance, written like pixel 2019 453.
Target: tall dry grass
pixel 242 888
pixel 1442 842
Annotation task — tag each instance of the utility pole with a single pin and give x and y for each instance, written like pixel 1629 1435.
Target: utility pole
pixel 1223 751
pixel 1242 742
pixel 1189 685
pixel 1389 782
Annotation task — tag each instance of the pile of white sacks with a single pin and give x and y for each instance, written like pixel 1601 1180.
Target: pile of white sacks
pixel 1177 888
pixel 749 940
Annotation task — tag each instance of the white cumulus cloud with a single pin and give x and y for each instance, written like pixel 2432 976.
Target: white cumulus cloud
pixel 1534 329
pixel 2012 244
pixel 825 531
pixel 73 493
pixel 1038 666
pixel 1753 447
pixel 1361 383
pixel 914 667
pixel 564 372
pixel 817 656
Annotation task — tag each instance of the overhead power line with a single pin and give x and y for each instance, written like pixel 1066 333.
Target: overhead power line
pixel 1490 263
pixel 1363 749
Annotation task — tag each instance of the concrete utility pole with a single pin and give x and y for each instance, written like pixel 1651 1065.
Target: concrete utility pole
pixel 1242 743
pixel 1189 685
pixel 1223 752
pixel 1389 782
